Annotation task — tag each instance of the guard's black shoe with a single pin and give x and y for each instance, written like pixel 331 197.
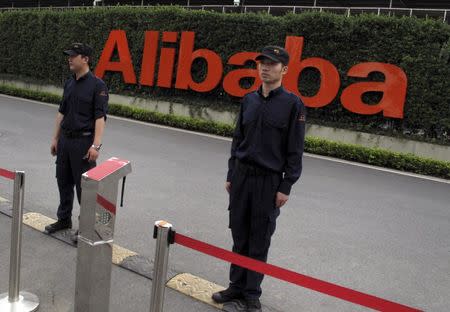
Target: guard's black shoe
pixel 253 305
pixel 226 295
pixel 58 226
pixel 237 305
pixel 74 237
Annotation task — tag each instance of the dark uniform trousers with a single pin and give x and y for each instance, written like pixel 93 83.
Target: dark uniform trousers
pixel 70 165
pixel 252 222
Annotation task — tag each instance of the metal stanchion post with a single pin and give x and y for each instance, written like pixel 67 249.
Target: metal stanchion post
pixel 15 300
pixel 164 237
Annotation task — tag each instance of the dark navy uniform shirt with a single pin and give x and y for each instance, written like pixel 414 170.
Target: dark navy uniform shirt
pixel 270 133
pixel 84 101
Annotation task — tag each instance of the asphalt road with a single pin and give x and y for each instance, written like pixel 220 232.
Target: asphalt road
pixel 373 231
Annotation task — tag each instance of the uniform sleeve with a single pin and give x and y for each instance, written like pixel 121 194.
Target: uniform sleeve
pixel 295 146
pixel 237 139
pixel 63 105
pixel 101 98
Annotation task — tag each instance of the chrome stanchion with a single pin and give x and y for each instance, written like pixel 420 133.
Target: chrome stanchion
pixel 164 237
pixel 15 300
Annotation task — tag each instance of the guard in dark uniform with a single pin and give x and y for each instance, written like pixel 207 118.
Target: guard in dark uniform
pixel 80 122
pixel 266 160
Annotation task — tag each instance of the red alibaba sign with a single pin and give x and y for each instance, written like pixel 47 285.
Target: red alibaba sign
pixel 393 87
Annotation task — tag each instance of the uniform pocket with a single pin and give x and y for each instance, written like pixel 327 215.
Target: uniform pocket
pixel 278 124
pixel 59 150
pixel 231 195
pixel 272 224
pixel 248 121
pixel 85 105
pixel 274 134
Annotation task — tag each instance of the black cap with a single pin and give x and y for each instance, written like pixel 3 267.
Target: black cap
pixel 274 53
pixel 79 49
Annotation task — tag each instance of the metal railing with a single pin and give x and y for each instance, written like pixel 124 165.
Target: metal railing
pixel 348 11
pixel 441 14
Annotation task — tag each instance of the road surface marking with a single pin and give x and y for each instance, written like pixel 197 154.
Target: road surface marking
pixel 195 287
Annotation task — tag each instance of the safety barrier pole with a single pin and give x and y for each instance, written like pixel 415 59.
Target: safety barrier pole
pixel 15 300
pixel 164 237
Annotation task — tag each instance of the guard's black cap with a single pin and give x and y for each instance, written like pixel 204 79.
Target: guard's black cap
pixel 79 48
pixel 275 53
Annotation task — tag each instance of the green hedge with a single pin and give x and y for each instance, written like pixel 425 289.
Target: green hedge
pixel 379 157
pixel 32 95
pixel 372 156
pixel 32 41
pixel 171 120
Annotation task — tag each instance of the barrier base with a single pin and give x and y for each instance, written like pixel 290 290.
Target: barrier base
pixel 27 303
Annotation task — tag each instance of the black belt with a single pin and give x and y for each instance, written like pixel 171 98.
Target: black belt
pixel 71 134
pixel 253 169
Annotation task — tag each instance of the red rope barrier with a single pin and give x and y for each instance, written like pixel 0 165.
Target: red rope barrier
pixel 7 174
pixel 294 277
pixel 106 204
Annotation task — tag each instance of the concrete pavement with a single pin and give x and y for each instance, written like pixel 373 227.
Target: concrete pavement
pixel 48 271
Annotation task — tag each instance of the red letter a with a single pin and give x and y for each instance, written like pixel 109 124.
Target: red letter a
pixel 393 89
pixel 124 65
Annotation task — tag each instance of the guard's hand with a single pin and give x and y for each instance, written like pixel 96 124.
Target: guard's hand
pixel 92 154
pixel 281 199
pixel 228 187
pixel 54 147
